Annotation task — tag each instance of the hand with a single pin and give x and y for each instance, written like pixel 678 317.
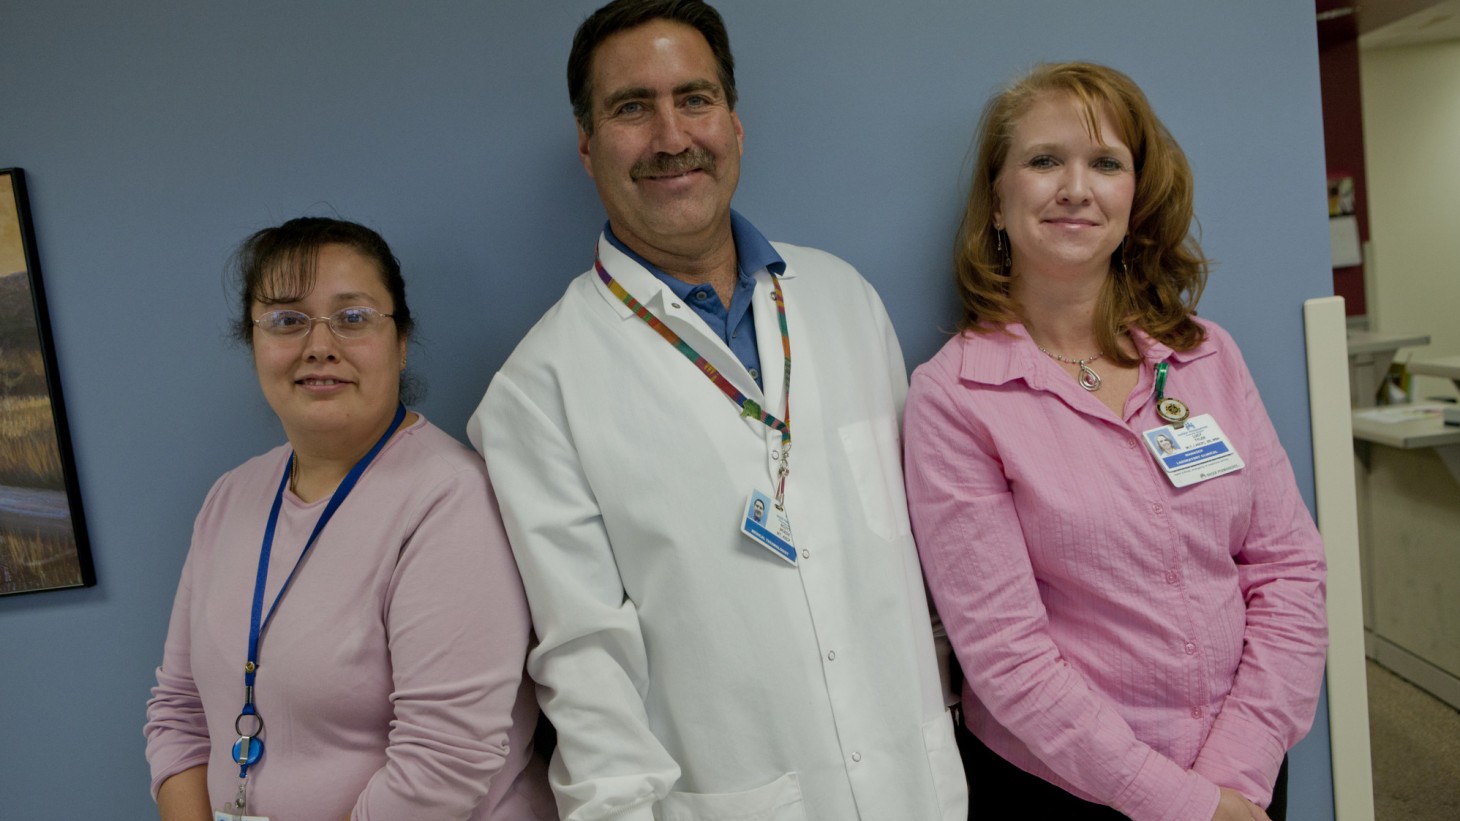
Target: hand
pixel 1235 807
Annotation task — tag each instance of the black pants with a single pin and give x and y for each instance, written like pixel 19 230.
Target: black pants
pixel 998 789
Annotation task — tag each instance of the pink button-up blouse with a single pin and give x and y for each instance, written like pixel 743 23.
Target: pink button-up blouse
pixel 1136 644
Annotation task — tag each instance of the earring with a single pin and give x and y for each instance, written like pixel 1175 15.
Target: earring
pixel 1120 259
pixel 1006 259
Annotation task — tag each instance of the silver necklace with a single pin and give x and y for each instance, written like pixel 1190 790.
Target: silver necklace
pixel 1088 378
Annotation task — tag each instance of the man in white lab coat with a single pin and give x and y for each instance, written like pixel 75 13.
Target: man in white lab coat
pixel 699 661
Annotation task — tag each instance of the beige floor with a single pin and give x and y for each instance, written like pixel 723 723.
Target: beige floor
pixel 1416 750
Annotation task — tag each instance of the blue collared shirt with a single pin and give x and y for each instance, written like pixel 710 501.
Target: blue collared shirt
pixel 735 324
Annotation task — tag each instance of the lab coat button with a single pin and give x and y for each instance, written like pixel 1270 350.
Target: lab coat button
pixel 856 756
pixel 831 655
pixel 805 553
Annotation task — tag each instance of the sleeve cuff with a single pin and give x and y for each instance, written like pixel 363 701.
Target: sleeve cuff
pixel 1243 756
pixel 185 763
pixel 1162 791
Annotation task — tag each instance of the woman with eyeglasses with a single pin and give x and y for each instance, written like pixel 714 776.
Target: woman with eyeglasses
pixel 349 633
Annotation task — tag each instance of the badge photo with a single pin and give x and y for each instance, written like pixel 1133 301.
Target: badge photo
pixel 1193 451
pixel 769 526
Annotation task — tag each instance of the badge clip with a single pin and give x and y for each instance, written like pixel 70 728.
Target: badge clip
pixel 1173 411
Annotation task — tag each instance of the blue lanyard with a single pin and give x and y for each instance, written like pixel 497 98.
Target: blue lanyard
pixel 249 749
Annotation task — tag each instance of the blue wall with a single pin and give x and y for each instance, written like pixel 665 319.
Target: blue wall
pixel 156 135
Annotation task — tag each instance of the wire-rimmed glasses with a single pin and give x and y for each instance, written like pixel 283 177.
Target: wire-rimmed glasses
pixel 346 323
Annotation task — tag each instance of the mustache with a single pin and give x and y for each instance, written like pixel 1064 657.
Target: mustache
pixel 668 165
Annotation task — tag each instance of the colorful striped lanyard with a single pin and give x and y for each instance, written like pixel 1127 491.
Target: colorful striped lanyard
pixel 748 407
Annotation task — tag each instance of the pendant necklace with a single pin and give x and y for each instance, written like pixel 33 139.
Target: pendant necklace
pixel 1088 378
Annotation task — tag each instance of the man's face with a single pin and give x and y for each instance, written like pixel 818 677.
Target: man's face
pixel 665 149
pixel 759 510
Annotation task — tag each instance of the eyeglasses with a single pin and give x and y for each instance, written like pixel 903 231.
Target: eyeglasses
pixel 346 323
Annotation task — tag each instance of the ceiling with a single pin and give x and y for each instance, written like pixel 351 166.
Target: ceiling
pixel 1439 21
pixel 1388 23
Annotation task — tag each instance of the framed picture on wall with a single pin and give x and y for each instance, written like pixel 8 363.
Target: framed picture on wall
pixel 43 543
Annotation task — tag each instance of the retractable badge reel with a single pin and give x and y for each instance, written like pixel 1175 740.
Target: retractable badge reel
pixel 1173 410
pixel 246 752
pixel 249 748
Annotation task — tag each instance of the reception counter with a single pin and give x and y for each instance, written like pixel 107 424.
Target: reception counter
pixel 1408 482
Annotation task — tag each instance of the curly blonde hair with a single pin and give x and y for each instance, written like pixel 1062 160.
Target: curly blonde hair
pixel 1159 272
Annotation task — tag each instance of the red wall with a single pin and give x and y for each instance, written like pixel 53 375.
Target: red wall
pixel 1343 135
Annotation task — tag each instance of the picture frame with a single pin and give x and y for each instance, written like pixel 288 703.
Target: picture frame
pixel 43 538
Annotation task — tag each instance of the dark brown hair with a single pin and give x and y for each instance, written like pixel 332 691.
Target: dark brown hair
pixel 621 15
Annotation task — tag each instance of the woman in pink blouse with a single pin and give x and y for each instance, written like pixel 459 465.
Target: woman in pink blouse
pixel 349 633
pixel 1141 628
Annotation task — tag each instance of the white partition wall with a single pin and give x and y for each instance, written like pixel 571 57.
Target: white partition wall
pixel 1348 697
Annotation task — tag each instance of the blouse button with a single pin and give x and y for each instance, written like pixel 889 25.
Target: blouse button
pixel 1130 443
pixel 1157 508
pixel 754 374
pixel 701 295
pixel 1190 649
pixel 1196 712
pixel 1171 577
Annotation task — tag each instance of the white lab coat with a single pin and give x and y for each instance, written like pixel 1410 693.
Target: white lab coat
pixel 691 673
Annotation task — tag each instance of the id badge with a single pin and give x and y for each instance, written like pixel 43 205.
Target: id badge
pixel 237 809
pixel 1195 452
pixel 769 527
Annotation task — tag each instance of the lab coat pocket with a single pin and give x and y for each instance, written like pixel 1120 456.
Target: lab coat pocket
pixel 947 767
pixel 779 800
pixel 874 456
